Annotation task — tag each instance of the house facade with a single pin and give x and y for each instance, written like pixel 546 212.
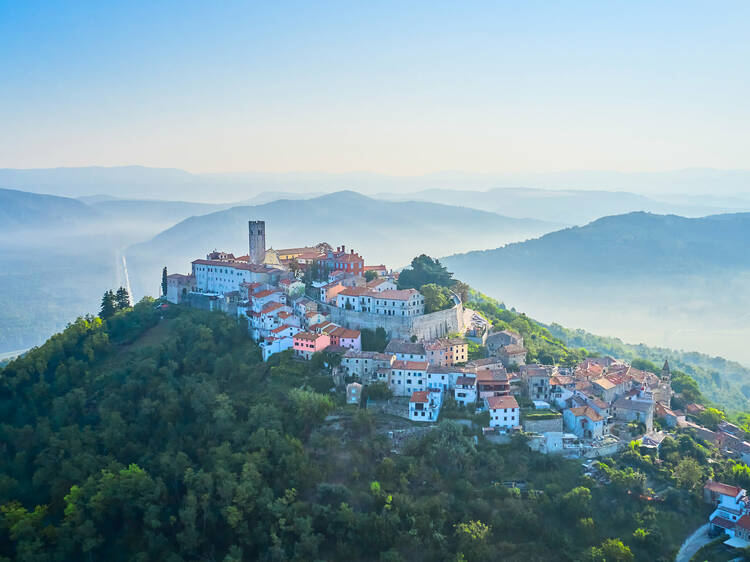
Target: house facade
pixel 504 411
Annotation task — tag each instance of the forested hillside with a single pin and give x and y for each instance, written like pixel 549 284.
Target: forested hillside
pixel 160 435
pixel 663 280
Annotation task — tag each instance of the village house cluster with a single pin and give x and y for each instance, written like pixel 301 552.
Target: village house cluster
pixel 313 299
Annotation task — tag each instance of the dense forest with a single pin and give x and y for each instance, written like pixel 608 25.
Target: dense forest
pixel 159 434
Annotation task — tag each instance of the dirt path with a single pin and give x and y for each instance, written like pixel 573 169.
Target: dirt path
pixel 693 543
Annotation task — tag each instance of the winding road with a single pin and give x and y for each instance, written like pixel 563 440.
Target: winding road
pixel 693 543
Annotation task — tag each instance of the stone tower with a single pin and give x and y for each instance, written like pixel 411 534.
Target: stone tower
pixel 257 234
pixel 664 393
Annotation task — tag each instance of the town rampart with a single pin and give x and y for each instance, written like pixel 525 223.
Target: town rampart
pixel 424 327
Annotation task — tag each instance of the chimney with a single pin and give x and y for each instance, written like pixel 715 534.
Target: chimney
pixel 343 249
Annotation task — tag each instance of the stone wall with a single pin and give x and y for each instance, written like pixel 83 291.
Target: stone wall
pixel 543 426
pixel 425 327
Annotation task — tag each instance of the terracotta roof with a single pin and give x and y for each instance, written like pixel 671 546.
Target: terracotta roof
pixel 744 522
pixel 723 523
pixel 263 294
pixel 411 365
pixel 466 381
pixel 604 383
pixel 723 489
pixel 374 268
pixel 587 411
pixel 358 292
pixel 492 375
pixel 599 403
pixel 180 276
pixel 398 295
pixel 281 328
pixel 270 307
pixel 307 336
pixel 501 402
pixel 420 396
pixel 341 332
pixel 561 380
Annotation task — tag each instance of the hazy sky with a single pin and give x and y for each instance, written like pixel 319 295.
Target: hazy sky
pixel 391 87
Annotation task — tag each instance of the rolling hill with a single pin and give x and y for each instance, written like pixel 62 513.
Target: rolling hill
pixel 20 210
pixel 663 280
pixel 382 231
pixel 570 206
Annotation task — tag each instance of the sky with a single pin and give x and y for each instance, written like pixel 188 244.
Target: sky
pixel 402 88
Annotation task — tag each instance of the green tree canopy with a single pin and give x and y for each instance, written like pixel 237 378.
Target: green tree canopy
pixel 424 270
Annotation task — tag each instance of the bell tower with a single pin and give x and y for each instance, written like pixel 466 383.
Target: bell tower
pixel 257 236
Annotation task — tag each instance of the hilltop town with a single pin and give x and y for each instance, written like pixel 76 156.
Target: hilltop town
pixel 320 300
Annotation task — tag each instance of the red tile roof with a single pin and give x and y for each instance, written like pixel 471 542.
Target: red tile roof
pixel 307 336
pixel 397 295
pixel 501 402
pixel 345 333
pixel 271 307
pixel 358 292
pixel 420 396
pixel 411 365
pixel 587 411
pixel 723 489
pixel 744 522
pixel 723 523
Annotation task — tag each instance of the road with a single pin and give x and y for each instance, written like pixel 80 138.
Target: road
pixel 693 543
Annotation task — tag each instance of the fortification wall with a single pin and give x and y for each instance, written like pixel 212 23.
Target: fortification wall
pixel 425 327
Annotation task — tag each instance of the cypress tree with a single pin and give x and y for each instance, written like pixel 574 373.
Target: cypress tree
pixel 122 298
pixel 164 282
pixel 108 305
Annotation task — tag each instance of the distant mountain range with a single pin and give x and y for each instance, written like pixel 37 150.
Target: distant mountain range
pixel 663 280
pixel 706 188
pixel 567 206
pixel 382 231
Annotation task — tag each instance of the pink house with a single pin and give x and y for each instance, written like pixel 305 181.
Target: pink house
pixel 351 339
pixel 307 343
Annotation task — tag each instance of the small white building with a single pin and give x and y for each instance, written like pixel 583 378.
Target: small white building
pixel 465 391
pixel 353 393
pixel 504 411
pixel 272 345
pixel 424 405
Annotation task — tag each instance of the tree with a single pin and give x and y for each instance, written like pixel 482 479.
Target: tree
pixel 425 270
pixel 109 305
pixel 688 473
pixel 435 297
pixel 294 268
pixel 612 550
pixel 370 276
pixel 462 290
pixel 164 282
pixel 710 418
pixel 122 299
